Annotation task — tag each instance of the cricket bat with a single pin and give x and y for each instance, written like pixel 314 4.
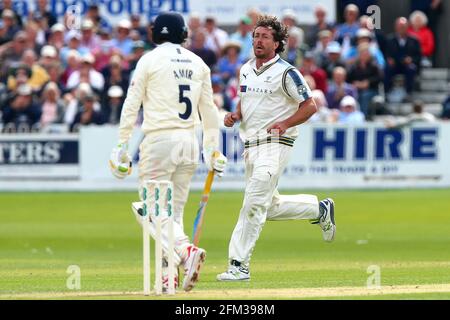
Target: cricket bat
pixel 201 210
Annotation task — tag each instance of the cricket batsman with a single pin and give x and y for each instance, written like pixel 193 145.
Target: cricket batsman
pixel 174 86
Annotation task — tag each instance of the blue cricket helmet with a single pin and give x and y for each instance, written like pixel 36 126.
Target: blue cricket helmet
pixel 169 26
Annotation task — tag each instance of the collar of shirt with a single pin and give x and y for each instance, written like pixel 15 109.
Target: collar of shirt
pixel 253 62
pixel 169 44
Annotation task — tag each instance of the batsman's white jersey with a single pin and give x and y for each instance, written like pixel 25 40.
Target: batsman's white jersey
pixel 174 86
pixel 269 94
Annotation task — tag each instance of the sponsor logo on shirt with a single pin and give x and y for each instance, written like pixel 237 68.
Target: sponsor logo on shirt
pixel 256 90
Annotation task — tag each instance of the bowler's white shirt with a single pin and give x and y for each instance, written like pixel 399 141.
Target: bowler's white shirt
pixel 269 94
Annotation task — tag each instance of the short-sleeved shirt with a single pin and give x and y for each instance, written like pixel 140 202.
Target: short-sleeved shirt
pixel 269 94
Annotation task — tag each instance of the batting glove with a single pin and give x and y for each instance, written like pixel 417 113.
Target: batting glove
pixel 120 161
pixel 215 160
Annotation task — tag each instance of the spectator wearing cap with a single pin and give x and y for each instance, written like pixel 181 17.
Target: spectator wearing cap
pixel 73 40
pixel 216 38
pixel 378 37
pixel 230 61
pixel 293 52
pixel 289 19
pixel 309 67
pixel 49 54
pixel 93 14
pixel 364 36
pixel 339 88
pixel 88 37
pixel 137 26
pixel 349 112
pixel 87 115
pixel 122 40
pixel 198 46
pixel 312 36
pixel 21 110
pixel 11 53
pixel 243 35
pixel 56 37
pixel 10 23
pixel 366 76
pixel 112 109
pixel 52 105
pixel 46 14
pixel 403 55
pixel 87 74
pixel 8 5
pixel 418 28
pixel 332 59
pixel 345 32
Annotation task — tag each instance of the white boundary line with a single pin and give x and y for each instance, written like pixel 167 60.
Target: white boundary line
pixel 281 293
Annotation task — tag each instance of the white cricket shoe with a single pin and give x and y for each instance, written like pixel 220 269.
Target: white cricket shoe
pixel 192 265
pixel 236 272
pixel 326 221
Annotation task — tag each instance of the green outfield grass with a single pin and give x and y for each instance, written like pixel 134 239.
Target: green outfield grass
pixel 405 233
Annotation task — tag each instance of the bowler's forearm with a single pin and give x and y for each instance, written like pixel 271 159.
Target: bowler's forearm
pixel 306 109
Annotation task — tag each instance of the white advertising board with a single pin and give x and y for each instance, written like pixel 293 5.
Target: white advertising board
pixel 323 157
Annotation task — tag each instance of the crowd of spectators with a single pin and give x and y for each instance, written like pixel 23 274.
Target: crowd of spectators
pixel 51 74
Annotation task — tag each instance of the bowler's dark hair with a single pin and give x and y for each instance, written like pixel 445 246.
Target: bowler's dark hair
pixel 279 30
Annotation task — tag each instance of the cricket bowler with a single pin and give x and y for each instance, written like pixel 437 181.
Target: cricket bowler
pixel 274 99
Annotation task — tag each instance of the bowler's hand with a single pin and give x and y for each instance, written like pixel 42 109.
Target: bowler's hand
pixel 278 128
pixel 231 118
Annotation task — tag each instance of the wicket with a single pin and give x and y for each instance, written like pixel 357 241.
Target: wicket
pixel 161 201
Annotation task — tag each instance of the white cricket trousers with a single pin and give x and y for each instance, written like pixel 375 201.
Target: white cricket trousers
pixel 263 166
pixel 170 156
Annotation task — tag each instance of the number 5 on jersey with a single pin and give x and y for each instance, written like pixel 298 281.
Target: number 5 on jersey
pixel 185 100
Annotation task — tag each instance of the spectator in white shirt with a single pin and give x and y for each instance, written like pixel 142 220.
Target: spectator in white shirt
pixel 87 74
pixel 215 37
